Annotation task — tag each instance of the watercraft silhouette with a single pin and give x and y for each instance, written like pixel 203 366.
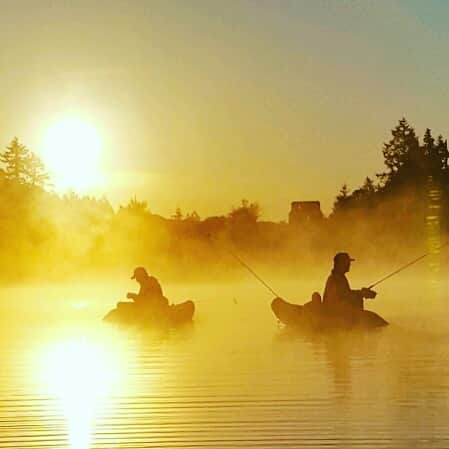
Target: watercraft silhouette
pixel 297 316
pixel 129 313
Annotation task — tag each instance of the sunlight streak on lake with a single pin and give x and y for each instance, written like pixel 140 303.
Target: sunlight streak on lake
pixel 433 228
pixel 234 379
pixel 82 374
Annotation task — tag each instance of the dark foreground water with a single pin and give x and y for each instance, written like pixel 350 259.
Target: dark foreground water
pixel 233 380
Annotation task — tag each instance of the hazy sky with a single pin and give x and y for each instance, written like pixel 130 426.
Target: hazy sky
pixel 202 103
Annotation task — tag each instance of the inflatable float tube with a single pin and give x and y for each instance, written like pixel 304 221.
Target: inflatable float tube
pixel 128 313
pixel 294 315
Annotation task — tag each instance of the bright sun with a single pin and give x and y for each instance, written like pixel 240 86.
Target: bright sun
pixel 71 152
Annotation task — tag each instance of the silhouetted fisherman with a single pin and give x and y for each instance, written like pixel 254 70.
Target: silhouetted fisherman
pixel 150 293
pixel 338 296
pixel 150 306
pixel 342 307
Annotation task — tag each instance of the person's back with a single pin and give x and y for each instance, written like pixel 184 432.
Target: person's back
pixel 338 294
pixel 338 297
pixel 150 289
pixel 150 293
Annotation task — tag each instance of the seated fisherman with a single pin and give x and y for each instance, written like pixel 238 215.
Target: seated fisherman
pixel 150 293
pixel 338 296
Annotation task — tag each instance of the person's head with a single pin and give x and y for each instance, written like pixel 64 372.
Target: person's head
pixel 140 274
pixel 342 262
pixel 316 298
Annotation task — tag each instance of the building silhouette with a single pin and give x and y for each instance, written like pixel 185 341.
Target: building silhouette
pixel 305 212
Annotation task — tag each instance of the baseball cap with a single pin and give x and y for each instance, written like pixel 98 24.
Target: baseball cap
pixel 139 270
pixel 343 256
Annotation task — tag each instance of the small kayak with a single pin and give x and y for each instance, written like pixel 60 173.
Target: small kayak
pixel 128 313
pixel 313 318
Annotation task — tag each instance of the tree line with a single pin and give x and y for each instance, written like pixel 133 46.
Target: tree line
pixel 412 167
pixel 44 234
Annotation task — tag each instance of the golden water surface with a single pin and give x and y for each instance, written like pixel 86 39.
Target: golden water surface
pixel 234 379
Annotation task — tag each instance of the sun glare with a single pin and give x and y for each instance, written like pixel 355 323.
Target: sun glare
pixel 71 152
pixel 81 375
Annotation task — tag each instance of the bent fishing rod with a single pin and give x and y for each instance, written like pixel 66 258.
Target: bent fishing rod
pixel 409 264
pixel 244 264
pixel 400 269
pixel 247 267
pixel 397 271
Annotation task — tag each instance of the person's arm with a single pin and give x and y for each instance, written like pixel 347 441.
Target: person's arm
pixel 364 293
pixel 357 293
pixel 133 296
pixel 346 293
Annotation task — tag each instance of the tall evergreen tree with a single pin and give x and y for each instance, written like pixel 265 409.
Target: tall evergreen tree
pixel 403 155
pixel 36 174
pixel 428 142
pixel 15 159
pixel 433 160
pixel 342 200
pixel 442 151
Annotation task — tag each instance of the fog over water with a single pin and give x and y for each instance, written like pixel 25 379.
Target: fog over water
pixel 232 149
pixel 234 379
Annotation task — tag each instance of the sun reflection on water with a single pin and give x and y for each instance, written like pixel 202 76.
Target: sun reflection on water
pixel 81 374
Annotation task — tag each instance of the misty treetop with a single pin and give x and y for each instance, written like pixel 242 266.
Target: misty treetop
pixel 410 162
pixel 22 166
pixel 413 168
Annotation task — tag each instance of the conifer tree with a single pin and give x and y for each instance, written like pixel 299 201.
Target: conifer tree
pixel 442 151
pixel 402 154
pixel 36 174
pixel 433 160
pixel 15 160
pixel 342 199
pixel 428 142
pixel 368 186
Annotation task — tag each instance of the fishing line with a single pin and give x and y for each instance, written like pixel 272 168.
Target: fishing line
pixel 245 265
pixel 409 264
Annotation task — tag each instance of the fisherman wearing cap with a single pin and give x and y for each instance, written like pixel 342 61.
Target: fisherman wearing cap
pixel 150 293
pixel 338 297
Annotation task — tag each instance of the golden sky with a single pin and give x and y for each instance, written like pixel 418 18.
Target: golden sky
pixel 202 103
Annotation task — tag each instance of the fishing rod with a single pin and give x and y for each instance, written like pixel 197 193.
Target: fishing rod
pixel 244 264
pixel 409 264
pixel 402 268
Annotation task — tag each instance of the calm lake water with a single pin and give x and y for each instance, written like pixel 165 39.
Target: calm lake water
pixel 235 379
